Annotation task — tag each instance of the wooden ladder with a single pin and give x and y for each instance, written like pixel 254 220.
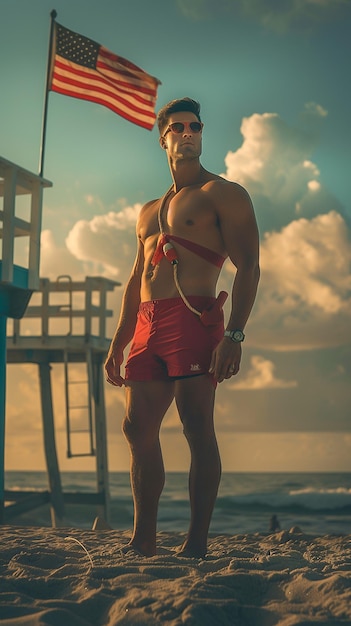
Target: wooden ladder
pixel 87 390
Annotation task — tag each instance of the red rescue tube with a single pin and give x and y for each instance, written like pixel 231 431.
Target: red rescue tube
pixel 214 314
pixel 170 253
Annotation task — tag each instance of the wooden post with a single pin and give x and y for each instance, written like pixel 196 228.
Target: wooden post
pixel 101 437
pixel 88 308
pixel 3 321
pixel 45 284
pixel 8 227
pixel 35 231
pixel 102 316
pixel 57 503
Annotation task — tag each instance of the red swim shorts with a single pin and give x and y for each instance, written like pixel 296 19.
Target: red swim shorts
pixel 170 341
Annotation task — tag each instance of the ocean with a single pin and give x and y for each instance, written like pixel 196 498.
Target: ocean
pixel 319 503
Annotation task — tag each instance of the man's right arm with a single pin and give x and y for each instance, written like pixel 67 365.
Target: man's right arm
pixel 127 321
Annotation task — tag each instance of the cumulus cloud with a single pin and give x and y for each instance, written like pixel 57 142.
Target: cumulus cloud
pixel 262 375
pixel 107 240
pixel 305 292
pixel 274 164
pixel 311 259
pixel 56 260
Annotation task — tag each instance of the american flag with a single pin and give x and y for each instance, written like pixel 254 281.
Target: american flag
pixel 84 69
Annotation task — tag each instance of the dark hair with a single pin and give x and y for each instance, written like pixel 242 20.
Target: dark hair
pixel 175 106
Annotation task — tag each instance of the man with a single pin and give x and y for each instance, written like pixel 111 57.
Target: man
pixel 169 311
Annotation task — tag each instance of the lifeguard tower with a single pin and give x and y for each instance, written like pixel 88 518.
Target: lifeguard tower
pixel 18 280
pixel 78 310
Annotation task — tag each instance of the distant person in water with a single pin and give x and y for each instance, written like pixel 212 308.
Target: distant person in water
pixel 274 524
pixel 180 349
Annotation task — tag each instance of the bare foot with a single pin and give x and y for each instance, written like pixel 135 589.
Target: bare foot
pixel 131 548
pixel 194 552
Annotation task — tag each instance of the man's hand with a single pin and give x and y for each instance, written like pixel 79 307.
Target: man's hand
pixel 225 361
pixel 112 369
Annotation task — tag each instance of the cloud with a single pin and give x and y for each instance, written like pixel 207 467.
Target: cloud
pixel 314 109
pixel 305 293
pixel 312 117
pixel 313 185
pixel 311 259
pixel 108 241
pixel 56 260
pixel 261 375
pixel 274 164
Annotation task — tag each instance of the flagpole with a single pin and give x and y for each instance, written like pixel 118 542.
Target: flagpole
pixel 53 16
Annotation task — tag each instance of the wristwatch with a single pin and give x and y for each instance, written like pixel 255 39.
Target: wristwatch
pixel 235 335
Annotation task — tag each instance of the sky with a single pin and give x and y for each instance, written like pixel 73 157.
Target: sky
pixel 273 83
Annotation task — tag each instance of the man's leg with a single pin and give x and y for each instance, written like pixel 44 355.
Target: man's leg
pixel 195 402
pixel 147 403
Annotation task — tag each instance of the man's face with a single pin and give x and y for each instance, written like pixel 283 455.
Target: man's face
pixel 185 144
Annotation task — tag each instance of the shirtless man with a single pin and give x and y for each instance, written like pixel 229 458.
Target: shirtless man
pixel 175 354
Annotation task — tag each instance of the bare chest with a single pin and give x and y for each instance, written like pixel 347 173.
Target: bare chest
pixel 188 213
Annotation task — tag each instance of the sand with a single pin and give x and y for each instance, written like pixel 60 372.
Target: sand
pixel 72 577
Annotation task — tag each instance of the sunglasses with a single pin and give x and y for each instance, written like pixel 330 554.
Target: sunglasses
pixel 178 127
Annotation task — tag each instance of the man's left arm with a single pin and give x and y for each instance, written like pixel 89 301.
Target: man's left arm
pixel 240 235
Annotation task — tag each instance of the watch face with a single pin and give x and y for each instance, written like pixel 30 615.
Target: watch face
pixel 235 335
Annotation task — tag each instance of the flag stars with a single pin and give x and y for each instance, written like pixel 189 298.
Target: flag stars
pixel 76 48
